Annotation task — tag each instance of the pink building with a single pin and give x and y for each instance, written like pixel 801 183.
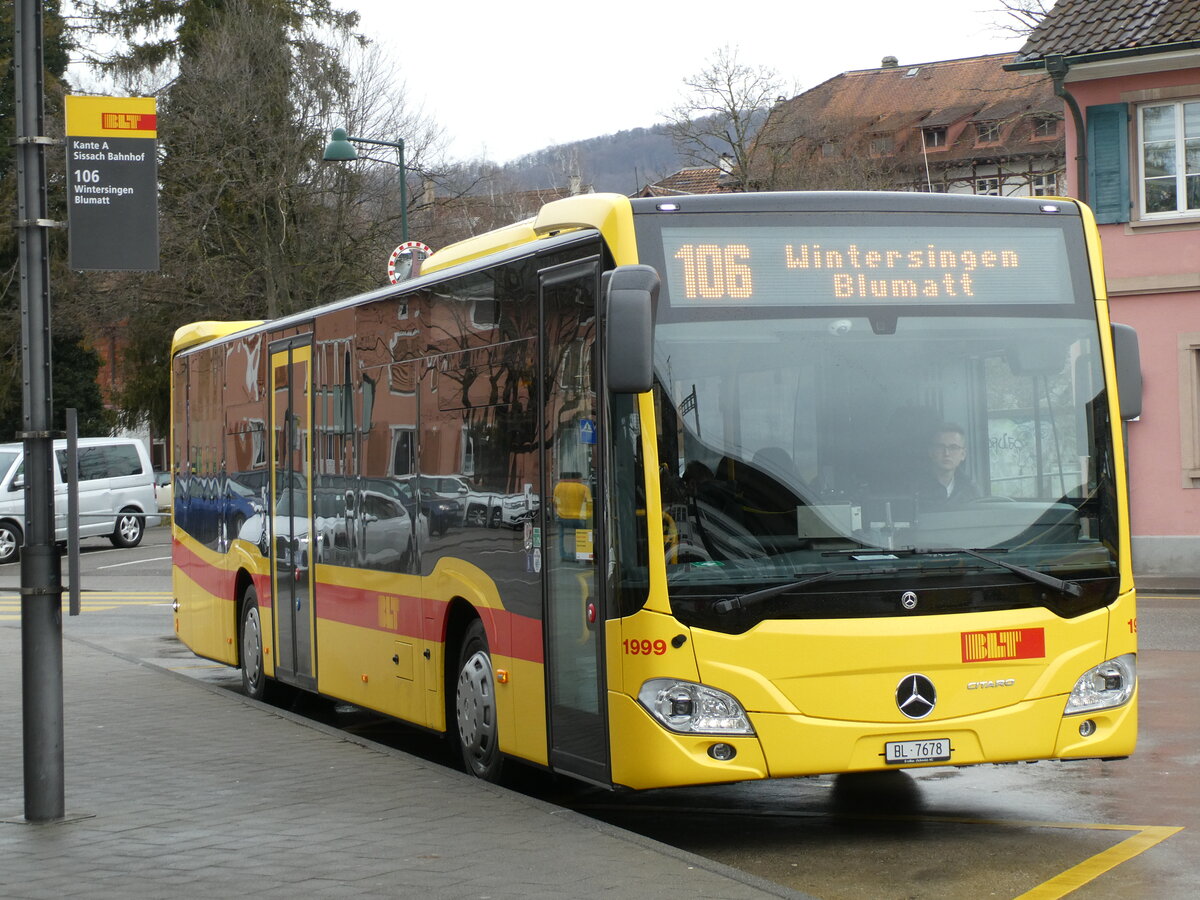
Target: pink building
pixel 1129 75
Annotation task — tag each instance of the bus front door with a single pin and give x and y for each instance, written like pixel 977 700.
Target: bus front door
pixel 291 511
pixel 574 620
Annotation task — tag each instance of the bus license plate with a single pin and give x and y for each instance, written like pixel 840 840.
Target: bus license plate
pixel 900 752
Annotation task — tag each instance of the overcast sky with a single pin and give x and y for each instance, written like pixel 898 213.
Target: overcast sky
pixel 504 79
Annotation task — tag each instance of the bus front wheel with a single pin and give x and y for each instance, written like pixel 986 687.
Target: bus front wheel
pixel 254 679
pixel 475 707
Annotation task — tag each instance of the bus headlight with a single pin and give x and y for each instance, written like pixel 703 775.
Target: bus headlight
pixel 693 708
pixel 1107 685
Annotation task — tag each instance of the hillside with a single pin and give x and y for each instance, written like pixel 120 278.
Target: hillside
pixel 623 162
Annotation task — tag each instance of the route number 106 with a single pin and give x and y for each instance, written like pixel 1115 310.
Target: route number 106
pixel 713 272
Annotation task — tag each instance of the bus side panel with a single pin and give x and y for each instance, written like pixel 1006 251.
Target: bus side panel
pixel 369 641
pixel 203 588
pixel 202 579
pixel 375 629
pixel 515 644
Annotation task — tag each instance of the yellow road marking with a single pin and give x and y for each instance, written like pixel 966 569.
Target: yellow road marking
pixel 93 601
pixel 1143 838
pixel 133 597
pixel 1146 836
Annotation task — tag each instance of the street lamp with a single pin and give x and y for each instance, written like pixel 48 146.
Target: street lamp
pixel 341 149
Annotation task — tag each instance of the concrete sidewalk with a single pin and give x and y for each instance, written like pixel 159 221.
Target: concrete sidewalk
pixel 194 791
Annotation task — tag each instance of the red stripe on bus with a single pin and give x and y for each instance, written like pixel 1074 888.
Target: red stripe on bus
pixel 510 634
pixel 215 579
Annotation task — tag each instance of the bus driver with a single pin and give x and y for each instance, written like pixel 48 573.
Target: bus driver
pixel 942 484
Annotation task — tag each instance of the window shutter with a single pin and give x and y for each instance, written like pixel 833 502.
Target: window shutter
pixel 1108 162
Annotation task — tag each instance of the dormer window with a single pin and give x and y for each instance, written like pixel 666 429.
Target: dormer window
pixel 882 145
pixel 934 137
pixel 987 132
pixel 1045 126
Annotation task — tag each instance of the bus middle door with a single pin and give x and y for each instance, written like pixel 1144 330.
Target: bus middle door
pixel 291 511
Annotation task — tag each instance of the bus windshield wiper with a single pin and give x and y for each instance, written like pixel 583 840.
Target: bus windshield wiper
pixel 745 601
pixel 1067 587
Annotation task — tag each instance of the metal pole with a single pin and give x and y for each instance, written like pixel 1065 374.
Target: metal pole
pixel 403 193
pixel 399 145
pixel 41 575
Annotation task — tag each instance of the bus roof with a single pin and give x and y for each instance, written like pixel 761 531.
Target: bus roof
pixel 855 201
pixel 202 332
pixel 611 214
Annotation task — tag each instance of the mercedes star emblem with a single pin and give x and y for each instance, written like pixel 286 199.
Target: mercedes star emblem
pixel 916 696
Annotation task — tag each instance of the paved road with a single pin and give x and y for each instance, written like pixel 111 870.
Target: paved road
pixel 1005 831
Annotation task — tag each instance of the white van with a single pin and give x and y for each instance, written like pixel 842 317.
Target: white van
pixel 116 493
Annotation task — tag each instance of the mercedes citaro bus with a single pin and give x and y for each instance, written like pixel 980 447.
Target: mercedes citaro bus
pixel 848 479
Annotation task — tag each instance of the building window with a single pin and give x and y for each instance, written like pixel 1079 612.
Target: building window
pixel 1045 126
pixel 987 132
pixel 829 148
pixel 882 145
pixel 934 137
pixel 1169 134
pixel 1044 184
pixel 988 186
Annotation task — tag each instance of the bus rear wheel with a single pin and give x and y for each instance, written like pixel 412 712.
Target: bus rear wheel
pixel 475 707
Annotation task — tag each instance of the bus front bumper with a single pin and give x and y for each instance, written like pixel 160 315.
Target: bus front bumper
pixel 646 755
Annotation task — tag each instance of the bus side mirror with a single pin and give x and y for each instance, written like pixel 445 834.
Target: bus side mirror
pixel 1128 361
pixel 630 293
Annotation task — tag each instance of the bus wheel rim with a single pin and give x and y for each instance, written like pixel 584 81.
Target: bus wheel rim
pixel 252 647
pixel 477 708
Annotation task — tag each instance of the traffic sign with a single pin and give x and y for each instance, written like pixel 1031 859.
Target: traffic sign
pixel 112 183
pixel 404 260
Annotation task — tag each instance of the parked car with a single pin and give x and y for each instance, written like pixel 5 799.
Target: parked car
pixel 116 493
pixel 441 499
pixel 163 491
pixel 493 509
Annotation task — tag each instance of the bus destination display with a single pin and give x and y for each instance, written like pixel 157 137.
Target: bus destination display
pixel 831 266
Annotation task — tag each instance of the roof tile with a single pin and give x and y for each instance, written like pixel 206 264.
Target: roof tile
pixel 1077 27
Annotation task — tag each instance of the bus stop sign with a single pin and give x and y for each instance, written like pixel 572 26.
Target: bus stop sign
pixel 112 183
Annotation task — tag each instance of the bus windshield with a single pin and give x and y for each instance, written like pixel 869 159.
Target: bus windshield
pixel 805 450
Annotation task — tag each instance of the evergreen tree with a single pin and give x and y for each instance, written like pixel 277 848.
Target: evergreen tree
pixel 252 225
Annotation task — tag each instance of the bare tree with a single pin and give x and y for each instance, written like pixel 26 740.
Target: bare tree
pixel 725 102
pixel 252 224
pixel 1020 17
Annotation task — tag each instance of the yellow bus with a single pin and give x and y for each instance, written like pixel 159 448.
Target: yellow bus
pixel 668 492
